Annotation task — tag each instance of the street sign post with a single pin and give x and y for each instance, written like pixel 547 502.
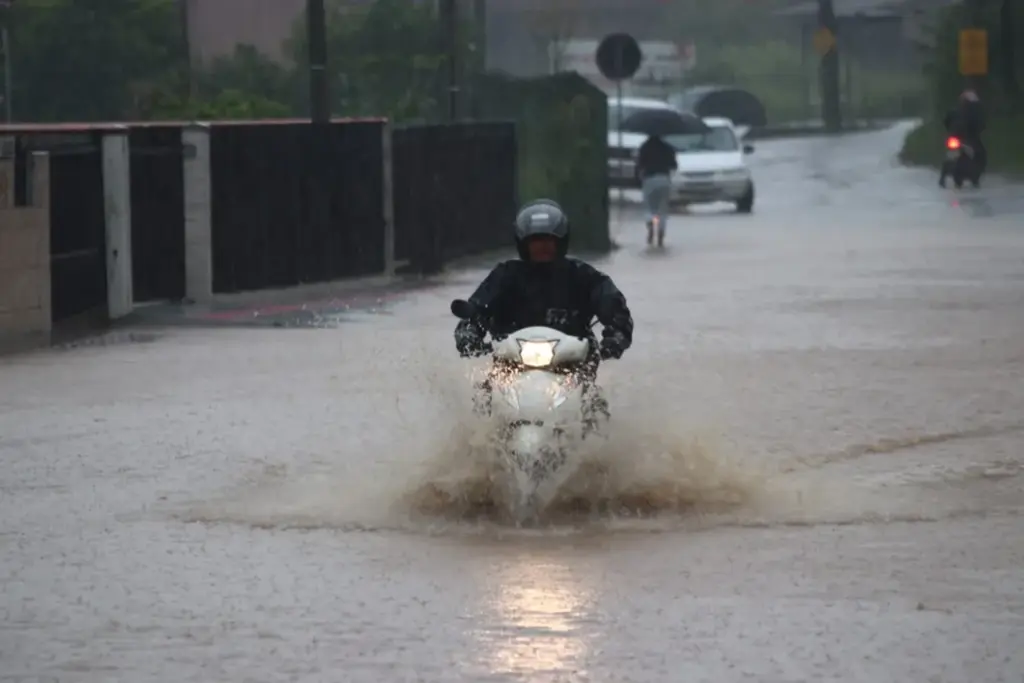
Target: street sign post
pixel 618 57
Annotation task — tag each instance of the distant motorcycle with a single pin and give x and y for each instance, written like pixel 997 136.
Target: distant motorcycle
pixel 961 163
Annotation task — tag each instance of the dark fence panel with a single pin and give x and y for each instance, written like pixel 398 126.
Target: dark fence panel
pixel 295 203
pixel 158 213
pixel 455 191
pixel 78 234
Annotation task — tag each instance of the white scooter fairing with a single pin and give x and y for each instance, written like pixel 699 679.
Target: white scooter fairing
pixel 538 403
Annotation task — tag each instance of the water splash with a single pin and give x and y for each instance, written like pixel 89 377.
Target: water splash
pixel 434 471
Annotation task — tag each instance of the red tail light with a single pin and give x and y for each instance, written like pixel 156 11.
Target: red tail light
pixel 953 143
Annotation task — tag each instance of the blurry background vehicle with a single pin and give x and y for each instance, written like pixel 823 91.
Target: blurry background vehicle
pixel 622 149
pixel 740 106
pixel 712 167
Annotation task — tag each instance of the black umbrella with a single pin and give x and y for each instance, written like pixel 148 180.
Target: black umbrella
pixel 664 122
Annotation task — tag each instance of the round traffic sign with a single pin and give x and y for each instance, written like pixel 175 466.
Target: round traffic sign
pixel 618 56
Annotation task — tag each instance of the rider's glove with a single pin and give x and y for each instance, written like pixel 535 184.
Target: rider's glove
pixel 469 340
pixel 475 350
pixel 610 349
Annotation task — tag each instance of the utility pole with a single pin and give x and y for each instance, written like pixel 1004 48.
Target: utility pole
pixel 449 32
pixel 471 100
pixel 316 37
pixel 186 48
pixel 828 29
pixel 1007 20
pixel 5 42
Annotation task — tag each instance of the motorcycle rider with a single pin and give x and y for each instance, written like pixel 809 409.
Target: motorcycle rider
pixel 967 122
pixel 545 287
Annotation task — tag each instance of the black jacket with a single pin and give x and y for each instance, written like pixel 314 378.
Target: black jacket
pixel 967 120
pixel 655 157
pixel 565 294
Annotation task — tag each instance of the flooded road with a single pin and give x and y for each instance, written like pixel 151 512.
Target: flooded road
pixel 815 472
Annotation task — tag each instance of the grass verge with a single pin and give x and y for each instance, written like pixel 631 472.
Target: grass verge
pixel 925 145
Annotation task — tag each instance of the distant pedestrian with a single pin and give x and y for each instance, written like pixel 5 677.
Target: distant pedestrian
pixel 656 160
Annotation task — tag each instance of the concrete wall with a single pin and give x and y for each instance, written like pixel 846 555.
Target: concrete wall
pixel 25 259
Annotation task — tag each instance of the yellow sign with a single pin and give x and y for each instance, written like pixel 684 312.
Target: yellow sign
pixel 824 41
pixel 973 52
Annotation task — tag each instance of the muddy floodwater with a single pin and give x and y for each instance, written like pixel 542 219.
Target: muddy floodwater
pixel 813 471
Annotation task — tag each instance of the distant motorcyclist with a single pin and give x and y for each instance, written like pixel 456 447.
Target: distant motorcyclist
pixel 546 288
pixel 967 122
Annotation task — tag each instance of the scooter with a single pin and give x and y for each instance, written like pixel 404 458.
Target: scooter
pixel 961 163
pixel 538 402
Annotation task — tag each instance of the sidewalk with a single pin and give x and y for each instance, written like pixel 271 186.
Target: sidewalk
pixel 302 306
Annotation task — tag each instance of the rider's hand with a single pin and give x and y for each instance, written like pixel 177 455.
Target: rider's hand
pixel 610 349
pixel 476 349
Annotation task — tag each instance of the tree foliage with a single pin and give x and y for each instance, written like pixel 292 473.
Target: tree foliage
pixel 93 60
pixel 1006 60
pixel 385 59
pixel 87 59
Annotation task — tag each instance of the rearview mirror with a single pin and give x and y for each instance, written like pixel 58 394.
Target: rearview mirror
pixel 748 149
pixel 462 309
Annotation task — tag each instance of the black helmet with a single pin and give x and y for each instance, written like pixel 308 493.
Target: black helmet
pixel 541 217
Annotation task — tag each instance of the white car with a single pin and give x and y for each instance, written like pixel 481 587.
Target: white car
pixel 712 166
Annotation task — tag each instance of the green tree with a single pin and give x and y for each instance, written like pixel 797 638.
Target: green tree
pixel 1003 20
pixel 1002 23
pixel 384 59
pixel 88 60
pixel 248 73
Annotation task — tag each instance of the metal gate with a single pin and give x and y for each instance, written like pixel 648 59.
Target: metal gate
pixel 158 213
pixel 78 236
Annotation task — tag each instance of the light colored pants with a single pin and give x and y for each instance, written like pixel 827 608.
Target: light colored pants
pixel 657 190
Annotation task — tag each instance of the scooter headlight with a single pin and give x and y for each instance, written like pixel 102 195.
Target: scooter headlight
pixel 537 354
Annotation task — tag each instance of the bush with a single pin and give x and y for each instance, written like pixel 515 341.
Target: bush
pixel 562 132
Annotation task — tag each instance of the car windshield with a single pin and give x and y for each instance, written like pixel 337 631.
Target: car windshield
pixel 718 139
pixel 619 113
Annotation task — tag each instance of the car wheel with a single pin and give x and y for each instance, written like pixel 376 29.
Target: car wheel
pixel 745 204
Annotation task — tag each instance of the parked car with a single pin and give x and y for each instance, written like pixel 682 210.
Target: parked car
pixel 622 157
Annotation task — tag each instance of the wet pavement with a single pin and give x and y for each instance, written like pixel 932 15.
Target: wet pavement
pixel 814 471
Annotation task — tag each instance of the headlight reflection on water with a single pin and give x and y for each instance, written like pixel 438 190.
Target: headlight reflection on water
pixel 540 608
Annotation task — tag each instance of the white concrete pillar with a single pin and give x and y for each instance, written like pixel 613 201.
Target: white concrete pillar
pixel 117 204
pixel 195 141
pixel 389 202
